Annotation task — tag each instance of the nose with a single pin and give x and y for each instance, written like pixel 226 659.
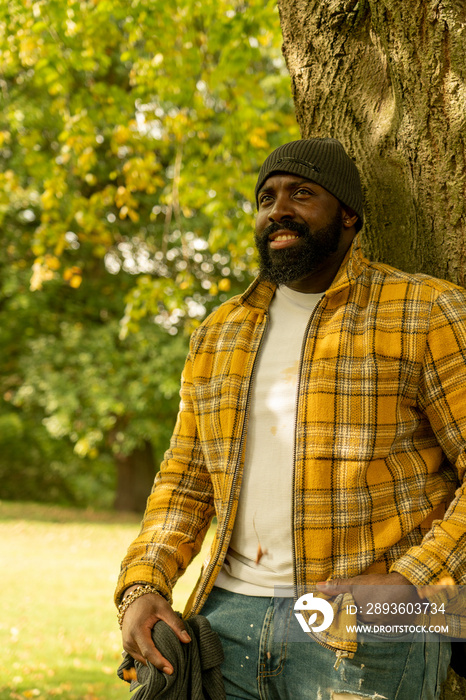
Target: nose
pixel 282 208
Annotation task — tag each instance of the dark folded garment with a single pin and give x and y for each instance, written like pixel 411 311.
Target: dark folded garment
pixel 458 657
pixel 197 674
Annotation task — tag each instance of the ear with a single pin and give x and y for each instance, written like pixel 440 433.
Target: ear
pixel 349 217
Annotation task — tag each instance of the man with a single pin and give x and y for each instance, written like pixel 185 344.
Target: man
pixel 323 421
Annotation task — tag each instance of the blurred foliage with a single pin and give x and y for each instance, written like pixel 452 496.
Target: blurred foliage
pixel 35 467
pixel 131 134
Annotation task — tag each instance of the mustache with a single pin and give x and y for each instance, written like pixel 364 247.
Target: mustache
pixel 302 229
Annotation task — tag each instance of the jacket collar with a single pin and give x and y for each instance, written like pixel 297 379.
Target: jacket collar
pixel 259 294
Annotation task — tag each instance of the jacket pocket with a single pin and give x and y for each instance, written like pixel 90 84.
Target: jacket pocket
pixel 219 406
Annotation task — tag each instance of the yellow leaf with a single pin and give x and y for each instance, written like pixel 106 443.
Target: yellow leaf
pixel 60 246
pixel 224 285
pixel 52 262
pixel 258 138
pixel 75 281
pixel 38 248
pixel 71 272
pixel 82 447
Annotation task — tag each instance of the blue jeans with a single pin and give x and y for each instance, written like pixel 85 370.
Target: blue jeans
pixel 267 659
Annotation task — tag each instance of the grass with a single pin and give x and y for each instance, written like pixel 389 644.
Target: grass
pixel 58 631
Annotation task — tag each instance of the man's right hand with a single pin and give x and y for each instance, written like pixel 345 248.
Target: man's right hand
pixel 139 619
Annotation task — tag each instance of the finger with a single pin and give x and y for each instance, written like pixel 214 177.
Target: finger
pixel 152 654
pixel 146 649
pixel 143 652
pixel 177 625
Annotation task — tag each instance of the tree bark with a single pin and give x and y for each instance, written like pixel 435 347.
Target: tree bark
pixel 388 79
pixel 135 477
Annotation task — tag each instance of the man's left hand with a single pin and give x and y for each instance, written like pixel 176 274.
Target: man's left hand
pixel 381 599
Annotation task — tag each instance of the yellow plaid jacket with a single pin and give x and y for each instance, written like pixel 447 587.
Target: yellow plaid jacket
pixel 380 436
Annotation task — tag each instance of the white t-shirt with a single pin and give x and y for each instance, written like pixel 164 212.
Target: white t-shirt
pixel 260 552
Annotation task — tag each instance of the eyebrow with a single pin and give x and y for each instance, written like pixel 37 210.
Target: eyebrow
pixel 289 185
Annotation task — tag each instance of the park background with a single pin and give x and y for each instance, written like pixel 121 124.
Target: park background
pixel 130 139
pixel 131 134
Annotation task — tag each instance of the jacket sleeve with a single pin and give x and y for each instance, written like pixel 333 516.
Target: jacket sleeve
pixel 442 396
pixel 179 509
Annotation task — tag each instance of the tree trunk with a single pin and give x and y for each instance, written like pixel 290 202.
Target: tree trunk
pixel 388 78
pixel 135 477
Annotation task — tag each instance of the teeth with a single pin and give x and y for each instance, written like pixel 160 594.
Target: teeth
pixel 285 237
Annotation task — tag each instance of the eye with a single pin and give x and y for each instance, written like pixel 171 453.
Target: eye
pixel 264 198
pixel 303 191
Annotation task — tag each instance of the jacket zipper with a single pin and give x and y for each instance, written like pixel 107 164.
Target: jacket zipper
pixel 213 563
pixel 340 653
pixel 298 390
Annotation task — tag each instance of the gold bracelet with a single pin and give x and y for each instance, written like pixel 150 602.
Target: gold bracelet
pixel 131 597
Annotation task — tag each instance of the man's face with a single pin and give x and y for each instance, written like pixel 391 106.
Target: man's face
pixel 298 228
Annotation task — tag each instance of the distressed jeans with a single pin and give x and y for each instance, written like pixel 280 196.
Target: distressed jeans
pixel 264 659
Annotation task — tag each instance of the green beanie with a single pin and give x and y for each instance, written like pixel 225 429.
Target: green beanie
pixel 322 160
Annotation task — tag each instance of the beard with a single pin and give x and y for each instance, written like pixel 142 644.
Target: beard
pixel 291 264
